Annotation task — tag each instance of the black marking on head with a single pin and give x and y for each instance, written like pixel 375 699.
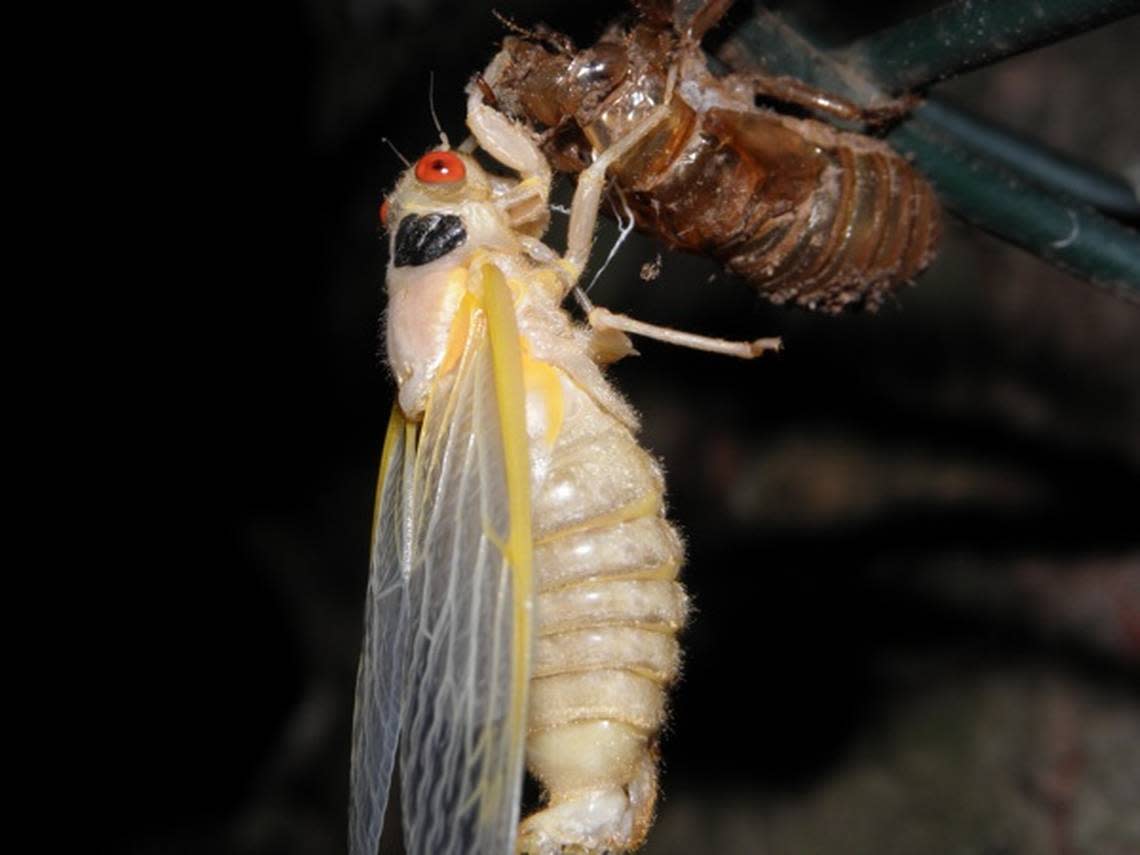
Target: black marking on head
pixel 423 239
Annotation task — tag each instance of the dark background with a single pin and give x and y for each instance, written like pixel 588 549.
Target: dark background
pixel 912 536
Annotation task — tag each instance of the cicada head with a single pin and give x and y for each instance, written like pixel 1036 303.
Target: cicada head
pixel 442 210
pixel 425 214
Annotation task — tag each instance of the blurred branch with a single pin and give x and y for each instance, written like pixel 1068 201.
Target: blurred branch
pixel 991 197
pixel 966 34
pixel 1045 166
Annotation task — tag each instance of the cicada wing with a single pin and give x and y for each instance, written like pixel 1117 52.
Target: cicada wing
pixel 380 676
pixel 461 754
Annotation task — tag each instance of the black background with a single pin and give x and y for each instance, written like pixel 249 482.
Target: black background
pixel 859 511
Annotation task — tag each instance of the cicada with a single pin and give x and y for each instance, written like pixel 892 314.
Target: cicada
pixel 523 598
pixel 804 211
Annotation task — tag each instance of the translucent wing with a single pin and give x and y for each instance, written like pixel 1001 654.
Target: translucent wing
pixel 463 544
pixel 469 640
pixel 380 676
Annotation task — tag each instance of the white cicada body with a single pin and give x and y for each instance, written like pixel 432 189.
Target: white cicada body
pixel 523 598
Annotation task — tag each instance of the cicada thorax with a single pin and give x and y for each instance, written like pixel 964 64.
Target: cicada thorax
pixel 804 211
pixel 607 608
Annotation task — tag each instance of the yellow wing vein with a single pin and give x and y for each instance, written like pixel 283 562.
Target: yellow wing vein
pixel 506 358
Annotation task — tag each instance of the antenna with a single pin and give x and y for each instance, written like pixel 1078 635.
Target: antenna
pixel 431 105
pixel 392 146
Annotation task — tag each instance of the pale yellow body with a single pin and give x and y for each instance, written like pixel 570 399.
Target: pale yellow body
pixel 607 609
pixel 607 604
pixel 588 564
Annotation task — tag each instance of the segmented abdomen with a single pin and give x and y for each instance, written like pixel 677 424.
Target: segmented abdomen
pixel 607 609
pixel 869 225
pixel 803 211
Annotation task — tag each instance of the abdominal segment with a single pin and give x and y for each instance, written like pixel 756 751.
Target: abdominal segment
pixel 607 610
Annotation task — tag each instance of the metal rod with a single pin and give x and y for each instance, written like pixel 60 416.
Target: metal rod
pixel 766 43
pixel 1047 167
pixel 1065 234
pixel 966 34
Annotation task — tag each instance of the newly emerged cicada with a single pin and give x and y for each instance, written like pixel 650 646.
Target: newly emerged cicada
pixel 804 211
pixel 523 599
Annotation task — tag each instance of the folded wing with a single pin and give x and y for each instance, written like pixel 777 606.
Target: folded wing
pixel 462 548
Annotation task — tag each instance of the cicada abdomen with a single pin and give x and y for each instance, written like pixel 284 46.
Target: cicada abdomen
pixel 806 212
pixel 608 606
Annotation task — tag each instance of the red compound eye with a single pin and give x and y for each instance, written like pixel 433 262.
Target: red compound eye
pixel 384 213
pixel 440 167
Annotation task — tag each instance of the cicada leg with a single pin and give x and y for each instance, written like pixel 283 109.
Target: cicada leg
pixel 789 90
pixel 604 321
pixel 592 182
pixel 513 146
pixel 583 218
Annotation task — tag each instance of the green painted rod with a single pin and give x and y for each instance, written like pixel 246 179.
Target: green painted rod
pixel 1045 166
pixel 966 34
pixel 1064 233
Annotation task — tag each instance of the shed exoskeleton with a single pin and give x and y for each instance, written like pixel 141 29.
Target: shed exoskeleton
pixel 804 211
